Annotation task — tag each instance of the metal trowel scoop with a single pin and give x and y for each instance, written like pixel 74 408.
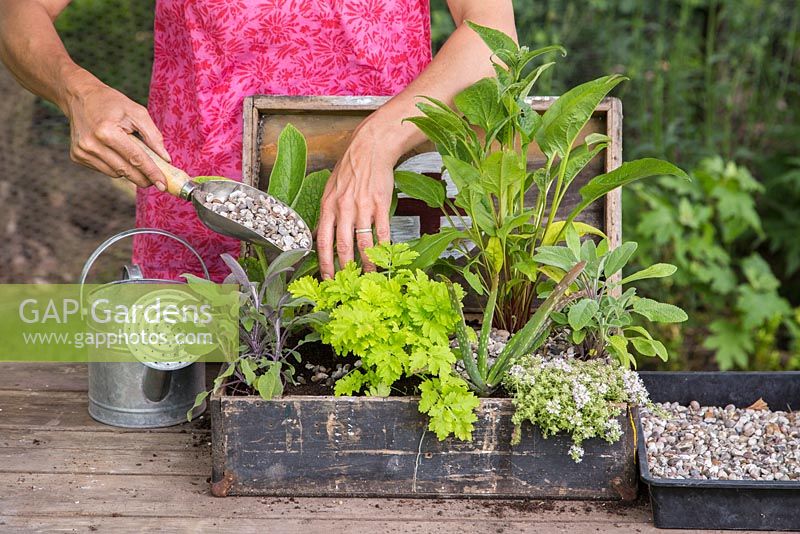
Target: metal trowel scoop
pixel 182 186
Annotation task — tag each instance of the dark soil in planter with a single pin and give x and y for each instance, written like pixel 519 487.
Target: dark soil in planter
pixel 318 354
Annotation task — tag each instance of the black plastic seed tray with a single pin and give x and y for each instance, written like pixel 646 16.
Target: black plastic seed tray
pixel 722 504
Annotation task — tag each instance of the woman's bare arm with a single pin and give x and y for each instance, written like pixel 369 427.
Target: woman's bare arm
pixel 101 118
pixel 359 191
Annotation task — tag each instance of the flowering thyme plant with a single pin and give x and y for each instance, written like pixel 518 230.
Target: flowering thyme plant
pixel 582 398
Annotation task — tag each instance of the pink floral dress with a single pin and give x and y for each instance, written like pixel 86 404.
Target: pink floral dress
pixel 210 54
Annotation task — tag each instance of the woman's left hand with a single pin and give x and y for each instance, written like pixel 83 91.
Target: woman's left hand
pixel 358 196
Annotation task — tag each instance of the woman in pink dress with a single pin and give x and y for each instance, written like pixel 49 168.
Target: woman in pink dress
pixel 209 55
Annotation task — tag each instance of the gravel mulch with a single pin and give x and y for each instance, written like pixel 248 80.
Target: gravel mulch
pixel 714 443
pixel 265 216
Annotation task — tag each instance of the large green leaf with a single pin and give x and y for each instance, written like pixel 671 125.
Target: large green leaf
pixel 560 257
pixel 494 39
pixel 626 173
pixel 431 246
pixel 446 143
pixel 650 347
pixel 659 312
pixel 512 223
pixel 269 385
pixel 480 104
pixel 495 254
pixel 479 210
pixel 462 173
pixel 579 158
pixel 564 120
pixel 444 117
pixel 429 190
pixel 308 199
pixel 619 257
pixel 289 169
pixel 658 270
pixel 731 344
pixel 582 312
pixel 556 228
pixel 529 121
pixel 503 174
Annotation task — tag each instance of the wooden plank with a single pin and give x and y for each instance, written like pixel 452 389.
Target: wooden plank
pixel 150 460
pixel 145 496
pixel 50 376
pixel 101 443
pixel 249 140
pixel 613 204
pixel 304 526
pixel 63 410
pixel 357 446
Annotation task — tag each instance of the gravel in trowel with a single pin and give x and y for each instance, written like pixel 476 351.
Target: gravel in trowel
pixel 265 216
pixel 713 443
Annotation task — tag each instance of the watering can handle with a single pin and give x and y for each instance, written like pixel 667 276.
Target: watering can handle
pixel 136 231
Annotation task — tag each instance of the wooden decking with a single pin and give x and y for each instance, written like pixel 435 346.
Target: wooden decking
pixel 62 471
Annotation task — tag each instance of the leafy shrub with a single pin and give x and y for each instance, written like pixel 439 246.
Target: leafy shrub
pixel 501 234
pixel 599 315
pixel 268 329
pixel 707 228
pixel 777 205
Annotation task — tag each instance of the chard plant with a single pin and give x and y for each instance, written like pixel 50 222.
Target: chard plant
pixel 485 143
pixel 600 319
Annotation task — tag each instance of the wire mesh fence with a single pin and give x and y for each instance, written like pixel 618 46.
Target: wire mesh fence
pixel 54 212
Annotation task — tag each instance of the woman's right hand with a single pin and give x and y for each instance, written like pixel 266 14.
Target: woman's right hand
pixel 101 122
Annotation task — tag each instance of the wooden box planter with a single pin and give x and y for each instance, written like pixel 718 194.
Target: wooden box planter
pixel 362 446
pixel 369 446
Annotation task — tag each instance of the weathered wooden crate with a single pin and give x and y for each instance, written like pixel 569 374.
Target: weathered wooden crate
pixel 349 446
pixel 370 446
pixel 328 122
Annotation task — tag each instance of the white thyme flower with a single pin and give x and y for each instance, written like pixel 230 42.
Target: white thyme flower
pixel 557 363
pixel 634 387
pixel 553 406
pixel 576 453
pixel 613 429
pixel 580 394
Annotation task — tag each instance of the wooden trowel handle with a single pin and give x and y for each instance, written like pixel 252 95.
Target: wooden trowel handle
pixel 176 178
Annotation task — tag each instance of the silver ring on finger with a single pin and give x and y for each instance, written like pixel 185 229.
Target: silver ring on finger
pixel 363 230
